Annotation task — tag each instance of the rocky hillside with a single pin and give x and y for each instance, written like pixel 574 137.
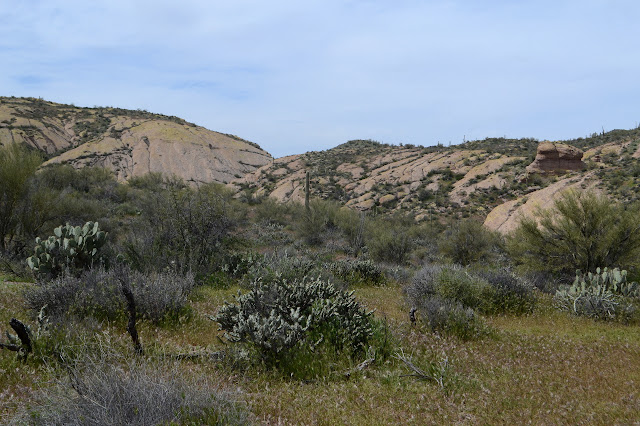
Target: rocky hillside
pixel 495 180
pixel 131 143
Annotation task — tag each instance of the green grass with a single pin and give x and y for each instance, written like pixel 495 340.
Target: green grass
pixel 547 368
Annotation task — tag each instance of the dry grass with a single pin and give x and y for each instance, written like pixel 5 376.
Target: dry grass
pixel 545 368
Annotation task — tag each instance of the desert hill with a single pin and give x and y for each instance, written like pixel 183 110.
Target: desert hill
pixel 495 179
pixel 131 143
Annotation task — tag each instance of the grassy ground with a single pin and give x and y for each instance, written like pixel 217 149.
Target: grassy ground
pixel 545 368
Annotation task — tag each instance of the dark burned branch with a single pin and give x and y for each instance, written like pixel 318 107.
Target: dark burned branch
pixel 10 346
pixel 123 277
pixel 131 325
pixel 22 332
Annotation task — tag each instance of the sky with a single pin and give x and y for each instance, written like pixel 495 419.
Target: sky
pixel 301 75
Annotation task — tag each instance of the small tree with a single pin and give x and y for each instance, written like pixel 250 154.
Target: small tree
pixel 582 231
pixel 17 165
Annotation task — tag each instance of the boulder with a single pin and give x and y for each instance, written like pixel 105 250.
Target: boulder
pixel 556 158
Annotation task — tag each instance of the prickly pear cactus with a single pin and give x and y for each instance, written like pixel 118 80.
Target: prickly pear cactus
pixel 599 295
pixel 71 247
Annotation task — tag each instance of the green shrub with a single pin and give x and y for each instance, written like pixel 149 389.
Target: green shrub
pixel 468 242
pixel 71 248
pixel 17 166
pixel 440 292
pixel 452 318
pixel 511 295
pixel 358 272
pixel 389 241
pixel 281 319
pixel 182 228
pixel 312 225
pixel 582 231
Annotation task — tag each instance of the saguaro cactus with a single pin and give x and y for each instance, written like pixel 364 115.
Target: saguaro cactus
pixel 307 188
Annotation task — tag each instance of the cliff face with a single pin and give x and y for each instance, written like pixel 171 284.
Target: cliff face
pixel 131 143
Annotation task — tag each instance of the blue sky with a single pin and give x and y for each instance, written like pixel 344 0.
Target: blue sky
pixel 307 75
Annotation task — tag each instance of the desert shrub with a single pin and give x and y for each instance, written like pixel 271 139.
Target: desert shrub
pixel 468 242
pixel 182 228
pixel 270 211
pixel 17 166
pixel 268 234
pixel 452 318
pixel 107 388
pixel 71 248
pixel 313 224
pixel 98 293
pixel 604 295
pixel 283 319
pixel 352 225
pixel 452 283
pixel 511 294
pixel 281 266
pixel 389 242
pixel 582 231
pixel 357 272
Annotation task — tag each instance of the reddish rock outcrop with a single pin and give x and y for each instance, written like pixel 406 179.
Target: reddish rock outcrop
pixel 556 158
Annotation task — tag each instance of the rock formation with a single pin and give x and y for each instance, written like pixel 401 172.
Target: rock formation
pixel 556 158
pixel 130 143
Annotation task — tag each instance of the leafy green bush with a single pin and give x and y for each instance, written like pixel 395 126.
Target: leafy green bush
pixel 468 242
pixel 282 319
pixel 277 266
pixel 582 231
pixel 17 166
pixel 389 240
pixel 510 295
pixel 448 296
pixel 604 295
pixel 71 248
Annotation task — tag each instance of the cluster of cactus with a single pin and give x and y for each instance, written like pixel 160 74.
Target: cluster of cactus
pixel 277 317
pixel 614 281
pixel 599 295
pixel 71 247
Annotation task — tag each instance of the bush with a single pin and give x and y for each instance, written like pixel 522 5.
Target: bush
pixel 182 229
pixel 282 319
pixel 315 223
pixel 388 241
pixel 98 293
pixel 451 288
pixel 106 388
pixel 449 317
pixel 582 231
pixel 286 265
pixel 17 166
pixel 469 242
pixel 358 272
pixel 510 295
